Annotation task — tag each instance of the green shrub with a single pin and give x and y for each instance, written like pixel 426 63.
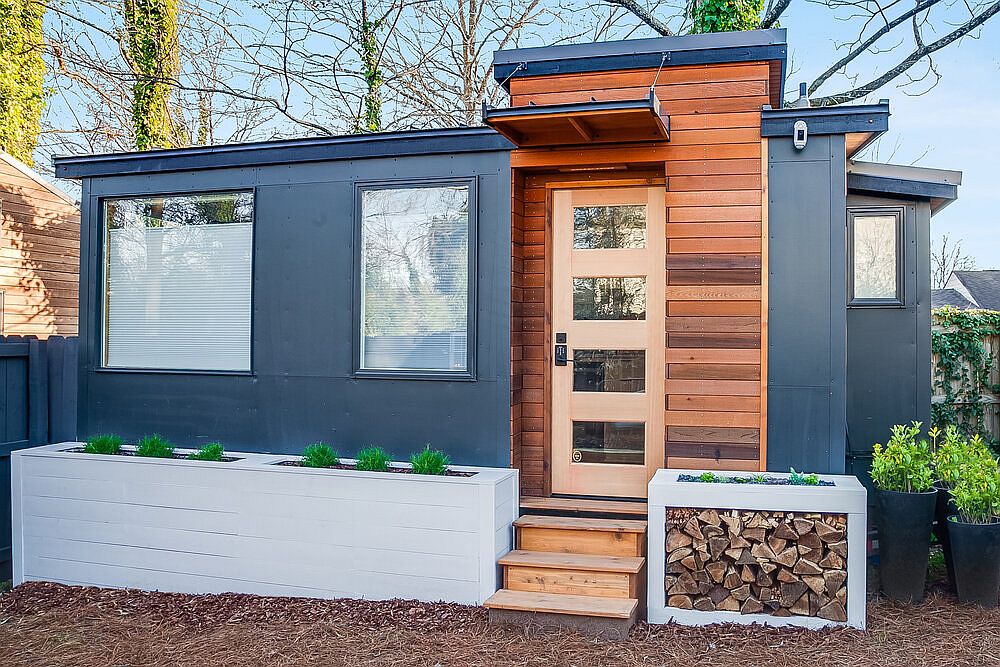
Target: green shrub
pixel 759 478
pixel 103 444
pixel 977 493
pixel 801 479
pixel 213 451
pixel 430 462
pixel 954 454
pixel 154 446
pixel 319 455
pixel 707 477
pixel 904 463
pixel 373 459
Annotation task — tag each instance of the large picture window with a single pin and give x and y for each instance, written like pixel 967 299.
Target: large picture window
pixel 875 238
pixel 177 282
pixel 415 276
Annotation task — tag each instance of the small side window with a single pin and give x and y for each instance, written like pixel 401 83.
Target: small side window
pixel 875 248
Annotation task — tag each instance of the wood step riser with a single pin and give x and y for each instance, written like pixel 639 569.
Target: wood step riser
pixel 592 542
pixel 572 582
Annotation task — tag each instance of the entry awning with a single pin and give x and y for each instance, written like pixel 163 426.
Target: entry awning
pixel 581 122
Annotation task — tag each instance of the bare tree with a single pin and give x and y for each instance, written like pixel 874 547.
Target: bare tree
pixel 884 40
pixel 946 258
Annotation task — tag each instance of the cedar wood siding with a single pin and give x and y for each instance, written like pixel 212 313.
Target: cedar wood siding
pixel 39 256
pixel 715 227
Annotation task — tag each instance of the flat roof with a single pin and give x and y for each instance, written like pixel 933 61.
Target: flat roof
pixel 826 120
pixel 699 49
pixel 938 186
pixel 285 151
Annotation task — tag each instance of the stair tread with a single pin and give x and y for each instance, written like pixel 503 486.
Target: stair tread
pixel 569 561
pixel 558 504
pixel 556 603
pixel 579 523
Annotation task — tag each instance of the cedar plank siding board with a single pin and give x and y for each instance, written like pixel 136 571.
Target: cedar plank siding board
pixel 39 254
pixel 712 166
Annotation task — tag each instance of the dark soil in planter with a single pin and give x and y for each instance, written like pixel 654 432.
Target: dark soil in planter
pixel 749 481
pixel 976 552
pixel 904 538
pixel 176 456
pixel 407 471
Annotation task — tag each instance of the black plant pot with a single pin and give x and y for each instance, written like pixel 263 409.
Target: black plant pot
pixel 976 550
pixel 944 507
pixel 904 541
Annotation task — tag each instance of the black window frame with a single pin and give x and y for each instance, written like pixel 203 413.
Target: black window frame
pixel 469 373
pixel 101 310
pixel 882 211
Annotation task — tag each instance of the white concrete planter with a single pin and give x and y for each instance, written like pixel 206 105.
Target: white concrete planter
pixel 847 497
pixel 250 526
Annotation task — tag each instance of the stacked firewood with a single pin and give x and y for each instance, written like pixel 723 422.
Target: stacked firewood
pixel 755 562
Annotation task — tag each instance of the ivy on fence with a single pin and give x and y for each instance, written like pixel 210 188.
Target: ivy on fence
pixel 963 367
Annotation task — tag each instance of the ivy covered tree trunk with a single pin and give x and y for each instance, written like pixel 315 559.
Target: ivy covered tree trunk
pixel 370 119
pixel 22 71
pixel 725 15
pixel 151 50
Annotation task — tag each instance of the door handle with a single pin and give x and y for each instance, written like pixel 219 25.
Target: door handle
pixel 561 354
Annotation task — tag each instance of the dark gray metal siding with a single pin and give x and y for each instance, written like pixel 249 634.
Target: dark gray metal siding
pixel 889 348
pixel 807 326
pixel 302 389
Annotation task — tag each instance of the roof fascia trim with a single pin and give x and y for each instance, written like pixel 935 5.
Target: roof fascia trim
pixel 318 149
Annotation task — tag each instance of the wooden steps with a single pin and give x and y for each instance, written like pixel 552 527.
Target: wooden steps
pixel 584 573
pixel 572 605
pixel 583 507
pixel 600 537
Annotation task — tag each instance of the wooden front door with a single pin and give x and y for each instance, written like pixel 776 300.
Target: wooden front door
pixel 608 280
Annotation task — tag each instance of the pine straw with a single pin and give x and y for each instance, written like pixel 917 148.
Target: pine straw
pixel 50 624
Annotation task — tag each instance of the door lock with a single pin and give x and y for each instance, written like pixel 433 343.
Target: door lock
pixel 562 349
pixel 561 354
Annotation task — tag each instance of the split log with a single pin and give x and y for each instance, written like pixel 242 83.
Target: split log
pixel 680 601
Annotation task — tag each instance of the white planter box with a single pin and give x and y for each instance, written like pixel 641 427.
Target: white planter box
pixel 847 496
pixel 249 526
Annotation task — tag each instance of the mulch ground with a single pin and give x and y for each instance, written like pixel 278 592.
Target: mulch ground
pixel 45 624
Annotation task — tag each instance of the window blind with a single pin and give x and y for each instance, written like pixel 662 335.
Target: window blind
pixel 178 295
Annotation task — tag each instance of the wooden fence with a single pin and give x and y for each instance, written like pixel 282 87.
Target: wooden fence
pixel 989 400
pixel 38 392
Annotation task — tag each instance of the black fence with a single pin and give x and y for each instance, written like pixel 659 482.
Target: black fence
pixel 37 406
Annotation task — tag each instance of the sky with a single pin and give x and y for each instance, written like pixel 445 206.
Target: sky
pixel 953 126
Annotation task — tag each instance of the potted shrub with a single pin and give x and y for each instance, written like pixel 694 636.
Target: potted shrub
pixel 905 499
pixel 975 533
pixel 951 456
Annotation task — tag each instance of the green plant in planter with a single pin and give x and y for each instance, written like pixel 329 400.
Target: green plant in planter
pixel 904 463
pixel 213 451
pixel 954 454
pixel 430 462
pixel 974 535
pixel 319 455
pixel 707 477
pixel 103 444
pixel 801 479
pixel 373 459
pixel 905 500
pixel 977 494
pixel 154 446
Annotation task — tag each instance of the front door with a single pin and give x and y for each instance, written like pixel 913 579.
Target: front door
pixel 608 303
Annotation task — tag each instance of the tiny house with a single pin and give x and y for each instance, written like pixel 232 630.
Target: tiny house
pixel 645 261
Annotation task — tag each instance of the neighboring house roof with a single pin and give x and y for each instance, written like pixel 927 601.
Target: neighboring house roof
pixel 980 288
pixel 38 178
pixel 950 297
